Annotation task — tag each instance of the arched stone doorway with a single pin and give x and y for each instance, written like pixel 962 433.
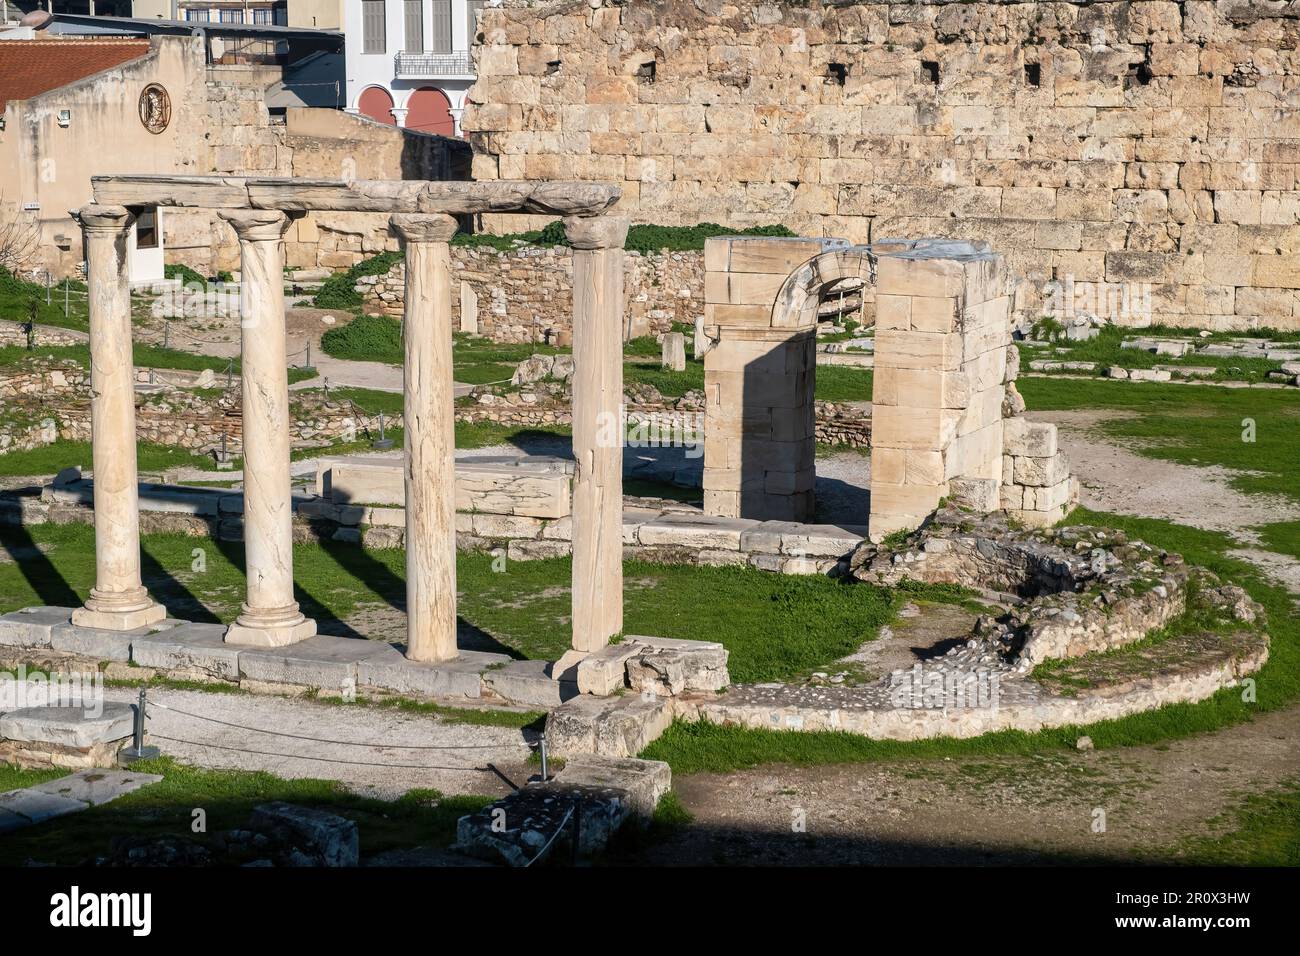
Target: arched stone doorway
pixel 376 103
pixel 429 111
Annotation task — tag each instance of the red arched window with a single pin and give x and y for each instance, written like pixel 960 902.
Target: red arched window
pixel 429 111
pixel 377 104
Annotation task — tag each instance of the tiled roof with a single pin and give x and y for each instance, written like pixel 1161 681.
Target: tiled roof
pixel 31 67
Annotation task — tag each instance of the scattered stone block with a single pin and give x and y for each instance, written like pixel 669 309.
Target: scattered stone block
pixel 1149 375
pixel 539 819
pixel 695 530
pixel 644 781
pixel 605 671
pixel 668 667
pixel 311 837
pixel 674 351
pixel 71 737
pixel 618 726
pixel 34 806
pixel 95 787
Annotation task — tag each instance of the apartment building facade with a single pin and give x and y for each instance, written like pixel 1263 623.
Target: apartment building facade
pixel 408 61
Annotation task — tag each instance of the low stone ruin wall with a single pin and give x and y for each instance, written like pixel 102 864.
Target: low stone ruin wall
pixel 526 294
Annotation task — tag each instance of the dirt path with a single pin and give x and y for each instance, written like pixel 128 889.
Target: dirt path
pixel 983 810
pixel 1118 480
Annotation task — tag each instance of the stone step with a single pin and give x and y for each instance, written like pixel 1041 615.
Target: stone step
pixel 530 683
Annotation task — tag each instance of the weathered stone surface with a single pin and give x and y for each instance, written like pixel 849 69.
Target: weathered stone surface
pixel 101 643
pixel 530 683
pixel 538 822
pixel 189 650
pixel 667 667
pixel 605 671
pixel 95 787
pixel 618 726
pixel 68 726
pixel 312 837
pixel 645 781
pixel 462 677
pixel 34 806
pixel 325 662
pixel 33 626
pixel 695 530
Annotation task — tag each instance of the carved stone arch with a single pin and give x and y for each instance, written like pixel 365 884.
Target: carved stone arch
pixel 800 295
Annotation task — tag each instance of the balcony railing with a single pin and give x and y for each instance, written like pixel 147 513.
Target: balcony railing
pixel 430 65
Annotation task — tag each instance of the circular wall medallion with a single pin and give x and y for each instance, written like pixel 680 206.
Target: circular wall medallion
pixel 155 108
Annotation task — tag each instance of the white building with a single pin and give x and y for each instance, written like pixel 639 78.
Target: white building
pixel 408 61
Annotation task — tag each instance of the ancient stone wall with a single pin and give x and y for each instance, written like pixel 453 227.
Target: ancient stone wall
pixel 526 294
pixel 1146 151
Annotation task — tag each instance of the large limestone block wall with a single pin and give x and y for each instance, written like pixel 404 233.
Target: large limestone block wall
pixel 1153 146
pixel 942 333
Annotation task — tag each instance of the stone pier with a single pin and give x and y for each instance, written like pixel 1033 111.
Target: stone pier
pixel 118 601
pixel 429 419
pixel 270 616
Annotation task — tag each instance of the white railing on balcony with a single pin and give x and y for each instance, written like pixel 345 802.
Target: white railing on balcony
pixel 432 64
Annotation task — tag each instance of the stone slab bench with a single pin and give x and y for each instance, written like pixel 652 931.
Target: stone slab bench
pixel 64 795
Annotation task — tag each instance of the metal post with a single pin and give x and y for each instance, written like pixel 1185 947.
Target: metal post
pixel 383 441
pixel 137 750
pixel 577 829
pixel 66 283
pixel 167 335
pixel 48 277
pixel 545 776
pixel 308 366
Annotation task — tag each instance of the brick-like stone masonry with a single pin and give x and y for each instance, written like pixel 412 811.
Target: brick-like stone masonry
pixel 1119 142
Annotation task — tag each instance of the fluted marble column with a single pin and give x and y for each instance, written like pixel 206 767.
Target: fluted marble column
pixel 428 417
pixel 270 616
pixel 597 428
pixel 118 601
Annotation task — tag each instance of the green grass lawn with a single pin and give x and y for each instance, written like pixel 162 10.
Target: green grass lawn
pixel 1263 830
pixel 419 818
pixel 774 625
pixel 1193 425
pixel 145 356
pixel 697 747
pixel 50 459
pixel 1283 536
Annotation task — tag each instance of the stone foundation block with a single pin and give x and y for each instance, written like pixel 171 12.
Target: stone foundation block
pixel 70 737
pixel 328 663
pixel 619 726
pixel 189 650
pixel 102 644
pixel 32 626
pixel 667 667
pixel 644 781
pixel 605 671
pixel 462 677
pixel 530 683
pixel 1021 437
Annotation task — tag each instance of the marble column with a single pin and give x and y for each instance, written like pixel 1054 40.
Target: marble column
pixel 428 417
pixel 270 616
pixel 118 601
pixel 598 436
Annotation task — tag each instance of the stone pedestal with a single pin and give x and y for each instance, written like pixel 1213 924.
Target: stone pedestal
pixel 118 601
pixel 429 418
pixel 597 428
pixel 270 616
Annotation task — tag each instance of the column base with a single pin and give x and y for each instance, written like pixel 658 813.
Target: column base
pixel 257 634
pixel 125 620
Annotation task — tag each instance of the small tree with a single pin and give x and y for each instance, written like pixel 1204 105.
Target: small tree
pixel 19 237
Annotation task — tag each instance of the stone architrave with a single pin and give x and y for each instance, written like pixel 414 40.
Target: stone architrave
pixel 430 453
pixel 270 617
pixel 598 435
pixel 118 601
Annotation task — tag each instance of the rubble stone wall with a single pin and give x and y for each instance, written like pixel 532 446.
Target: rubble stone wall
pixel 526 294
pixel 1147 146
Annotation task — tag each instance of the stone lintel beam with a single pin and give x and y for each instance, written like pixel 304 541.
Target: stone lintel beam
pixel 381 195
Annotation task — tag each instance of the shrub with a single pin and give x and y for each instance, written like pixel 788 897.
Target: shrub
pixel 187 275
pixel 367 338
pixel 339 291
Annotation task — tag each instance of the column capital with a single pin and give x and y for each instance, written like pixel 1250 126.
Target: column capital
pixel 423 227
pixel 257 225
pixel 596 232
pixel 104 219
